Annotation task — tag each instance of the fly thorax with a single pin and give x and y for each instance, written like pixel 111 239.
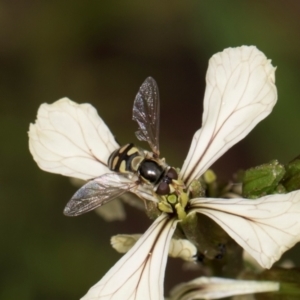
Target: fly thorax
pixel 150 171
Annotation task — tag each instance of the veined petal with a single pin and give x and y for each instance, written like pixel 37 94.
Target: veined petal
pixel 265 228
pixel 139 274
pixel 217 288
pixel 71 139
pixel 240 92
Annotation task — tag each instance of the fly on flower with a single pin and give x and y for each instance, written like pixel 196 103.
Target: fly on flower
pixel 135 169
pixel 72 140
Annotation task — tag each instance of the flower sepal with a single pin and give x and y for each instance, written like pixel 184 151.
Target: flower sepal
pixel 291 180
pixel 263 180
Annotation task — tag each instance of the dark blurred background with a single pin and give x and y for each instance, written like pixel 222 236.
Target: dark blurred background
pixel 100 52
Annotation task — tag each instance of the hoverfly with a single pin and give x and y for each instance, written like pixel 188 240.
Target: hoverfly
pixel 134 169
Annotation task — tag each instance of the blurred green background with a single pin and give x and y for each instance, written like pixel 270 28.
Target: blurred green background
pixel 100 52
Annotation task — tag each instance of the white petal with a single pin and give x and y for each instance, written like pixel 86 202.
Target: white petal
pixel 71 139
pixel 139 274
pixel 240 92
pixel 217 288
pixel 265 228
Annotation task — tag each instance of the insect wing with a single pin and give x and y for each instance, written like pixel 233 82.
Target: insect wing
pixel 146 114
pixel 98 192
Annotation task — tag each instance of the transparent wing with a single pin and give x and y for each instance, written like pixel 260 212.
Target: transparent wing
pixel 112 211
pixel 240 92
pixel 265 228
pixel 98 192
pixel 146 114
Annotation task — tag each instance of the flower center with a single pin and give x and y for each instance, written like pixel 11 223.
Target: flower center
pixel 176 201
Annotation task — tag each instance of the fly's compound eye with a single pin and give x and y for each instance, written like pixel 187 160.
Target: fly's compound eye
pixel 163 187
pixel 150 171
pixel 172 174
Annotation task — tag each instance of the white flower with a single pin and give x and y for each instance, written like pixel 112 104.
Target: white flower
pixel 217 288
pixel 240 93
